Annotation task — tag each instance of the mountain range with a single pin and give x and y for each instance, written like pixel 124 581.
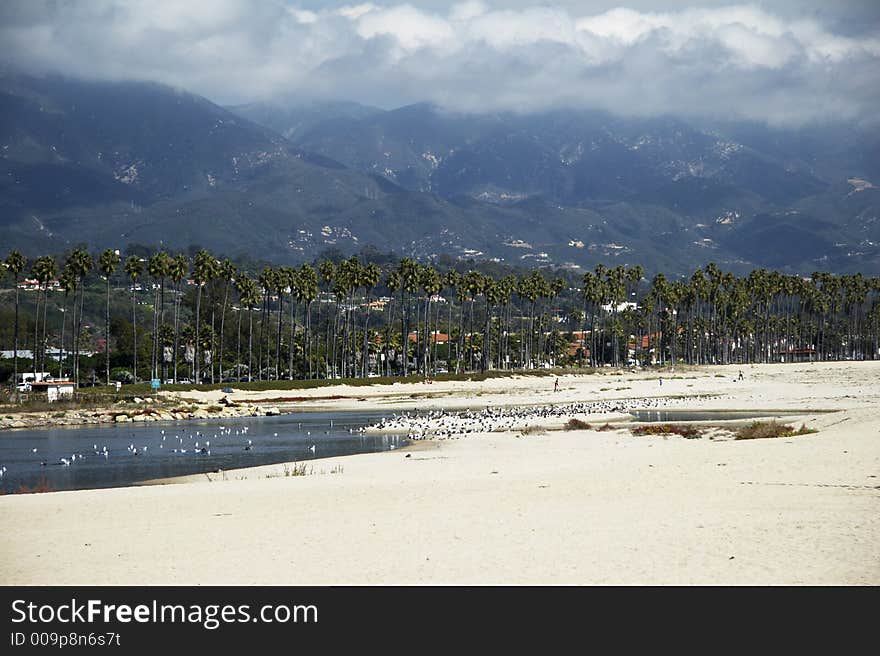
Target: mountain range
pixel 113 163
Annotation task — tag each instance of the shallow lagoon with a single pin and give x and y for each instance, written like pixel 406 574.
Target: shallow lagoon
pixel 140 452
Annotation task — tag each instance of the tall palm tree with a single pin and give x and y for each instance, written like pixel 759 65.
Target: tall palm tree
pixel 346 283
pixel 284 282
pixel 451 280
pixel 44 270
pixel 107 263
pixel 266 280
pixel 241 286
pixel 227 274
pixel 408 270
pixel 211 342
pixel 327 271
pixel 250 296
pixel 81 263
pixel 659 293
pixel 295 282
pixel 134 269
pixel 392 282
pixel 473 284
pixel 556 287
pixel 203 271
pixel 15 263
pixel 67 281
pixel 158 267
pixel 369 278
pixel 307 290
pixel 507 288
pixel 177 271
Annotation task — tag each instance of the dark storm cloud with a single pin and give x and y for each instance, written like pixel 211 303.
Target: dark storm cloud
pixel 782 62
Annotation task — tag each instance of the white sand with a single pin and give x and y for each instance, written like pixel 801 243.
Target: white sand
pixel 559 508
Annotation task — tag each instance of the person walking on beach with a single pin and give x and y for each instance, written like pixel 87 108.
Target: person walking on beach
pixel 661 381
pixel 556 385
pixel 740 374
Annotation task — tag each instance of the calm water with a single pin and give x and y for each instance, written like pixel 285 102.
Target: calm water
pixel 283 438
pixel 708 415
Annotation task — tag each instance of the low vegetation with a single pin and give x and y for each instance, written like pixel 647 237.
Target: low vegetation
pixel 576 424
pixel 298 469
pixel 764 429
pixel 690 432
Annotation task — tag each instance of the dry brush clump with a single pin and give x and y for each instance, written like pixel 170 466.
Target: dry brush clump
pixel 765 429
pixel 684 430
pixel 576 424
pixel 532 430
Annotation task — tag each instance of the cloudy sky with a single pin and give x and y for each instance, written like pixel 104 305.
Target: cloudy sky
pixel 784 62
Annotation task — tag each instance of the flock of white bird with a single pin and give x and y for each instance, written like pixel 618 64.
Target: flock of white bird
pixel 444 424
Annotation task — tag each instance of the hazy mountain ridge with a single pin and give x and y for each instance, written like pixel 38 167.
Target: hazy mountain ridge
pixel 724 180
pixel 112 163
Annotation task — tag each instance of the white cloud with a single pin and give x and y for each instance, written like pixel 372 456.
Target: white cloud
pixel 304 16
pixel 410 28
pixel 737 61
pixel 355 11
pixel 465 11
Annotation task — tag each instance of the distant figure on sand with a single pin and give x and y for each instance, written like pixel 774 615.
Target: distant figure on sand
pixel 740 374
pixel 556 385
pixel 661 381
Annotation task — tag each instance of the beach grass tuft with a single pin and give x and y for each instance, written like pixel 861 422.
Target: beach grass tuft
pixel 576 424
pixel 766 429
pixel 298 469
pixel 684 430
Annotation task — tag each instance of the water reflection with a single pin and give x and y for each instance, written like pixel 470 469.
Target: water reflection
pixel 707 415
pixel 113 456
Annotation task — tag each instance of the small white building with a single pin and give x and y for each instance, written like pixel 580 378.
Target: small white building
pixel 620 307
pixel 55 390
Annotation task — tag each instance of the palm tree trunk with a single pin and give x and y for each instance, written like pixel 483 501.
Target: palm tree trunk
pixel 366 352
pixel 43 344
pixel 307 347
pixel 107 331
pixel 223 326
pixel 35 353
pixel 78 331
pixel 61 354
pixel 238 344
pixel 196 368
pixel 293 309
pixel 134 332
pixel 278 337
pixel 176 327
pixel 250 342
pixel 15 346
pixel 213 336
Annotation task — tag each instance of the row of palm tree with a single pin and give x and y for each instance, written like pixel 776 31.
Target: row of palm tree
pixel 332 329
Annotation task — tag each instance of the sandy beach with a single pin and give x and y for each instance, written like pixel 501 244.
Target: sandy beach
pixel 558 507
